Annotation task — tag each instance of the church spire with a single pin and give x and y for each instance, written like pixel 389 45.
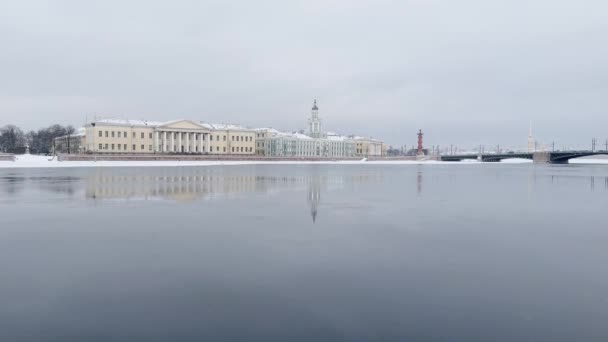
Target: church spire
pixel 314 106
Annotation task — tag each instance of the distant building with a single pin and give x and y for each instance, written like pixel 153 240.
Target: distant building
pixel 73 143
pixel 368 147
pixel 122 136
pixel 531 142
pixel 273 143
pixel 176 137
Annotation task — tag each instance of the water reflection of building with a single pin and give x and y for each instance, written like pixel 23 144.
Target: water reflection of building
pixel 184 184
pixel 176 187
pixel 314 197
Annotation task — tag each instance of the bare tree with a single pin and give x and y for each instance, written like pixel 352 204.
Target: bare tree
pixel 12 139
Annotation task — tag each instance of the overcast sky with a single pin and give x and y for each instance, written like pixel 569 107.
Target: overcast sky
pixel 466 72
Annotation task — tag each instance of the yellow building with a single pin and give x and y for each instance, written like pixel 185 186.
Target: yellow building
pixel 178 137
pixel 368 147
pixel 230 139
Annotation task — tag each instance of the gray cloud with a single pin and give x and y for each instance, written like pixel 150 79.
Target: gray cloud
pixel 467 72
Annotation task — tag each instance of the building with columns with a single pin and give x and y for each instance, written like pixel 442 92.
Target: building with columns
pixel 176 137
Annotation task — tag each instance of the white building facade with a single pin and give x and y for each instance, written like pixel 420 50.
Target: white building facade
pixel 273 143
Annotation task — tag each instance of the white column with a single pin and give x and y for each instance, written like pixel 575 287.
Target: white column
pixel 188 142
pixel 208 143
pixel 202 143
pixel 165 142
pixel 172 147
pixel 179 142
pixel 156 142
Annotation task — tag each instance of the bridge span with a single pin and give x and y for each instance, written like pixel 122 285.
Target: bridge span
pixel 559 157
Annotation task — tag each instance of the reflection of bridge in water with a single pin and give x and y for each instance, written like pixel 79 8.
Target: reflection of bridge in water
pixel 560 157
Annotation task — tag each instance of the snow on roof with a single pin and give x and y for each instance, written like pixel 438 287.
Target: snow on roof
pixel 267 129
pixel 129 122
pixel 276 133
pixel 357 137
pixel 336 137
pixel 145 123
pixel 80 133
pixel 223 126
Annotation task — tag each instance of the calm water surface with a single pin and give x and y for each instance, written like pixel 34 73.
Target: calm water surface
pixel 305 253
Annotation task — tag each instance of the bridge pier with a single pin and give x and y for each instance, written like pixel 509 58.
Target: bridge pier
pixel 541 157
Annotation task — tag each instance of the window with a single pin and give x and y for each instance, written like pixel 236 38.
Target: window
pixel 106 134
pixel 224 149
pixel 106 145
pixel 211 137
pixel 125 147
pixel 217 149
pixel 112 134
pixel 100 145
pixel 142 147
pixel 100 134
pixel 150 148
pixel 237 138
pixel 133 135
pixel 150 135
pixel 233 138
pixel 112 145
pixel 142 136
pixel 233 149
pixel 224 138
pixel 134 147
pixel 125 134
pixel 241 148
pixel 119 146
pixel 119 134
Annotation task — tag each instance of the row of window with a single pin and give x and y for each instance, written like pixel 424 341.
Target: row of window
pixel 120 134
pixel 234 138
pixel 246 149
pixel 121 147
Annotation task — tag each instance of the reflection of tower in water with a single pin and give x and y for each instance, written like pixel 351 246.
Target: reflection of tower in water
pixel 419 181
pixel 314 196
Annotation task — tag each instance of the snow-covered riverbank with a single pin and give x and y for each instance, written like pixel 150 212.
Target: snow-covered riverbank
pixel 34 161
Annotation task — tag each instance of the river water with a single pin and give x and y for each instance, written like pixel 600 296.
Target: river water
pixel 474 252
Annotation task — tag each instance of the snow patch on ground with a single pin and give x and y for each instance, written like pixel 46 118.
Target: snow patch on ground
pixel 35 161
pixel 516 161
pixel 588 161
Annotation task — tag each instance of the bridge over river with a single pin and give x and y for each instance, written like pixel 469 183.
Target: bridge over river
pixel 560 157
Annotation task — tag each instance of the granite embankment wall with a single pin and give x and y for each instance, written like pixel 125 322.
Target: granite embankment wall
pixel 7 157
pixel 211 157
